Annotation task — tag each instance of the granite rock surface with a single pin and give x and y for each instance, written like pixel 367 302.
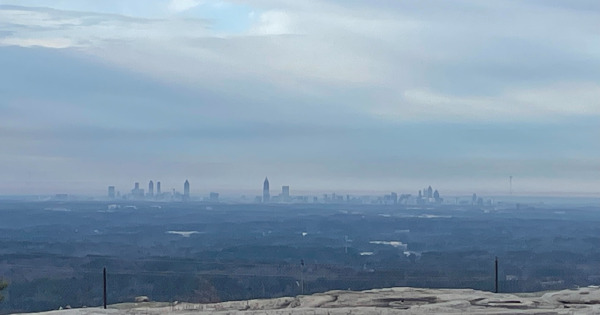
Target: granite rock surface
pixel 379 301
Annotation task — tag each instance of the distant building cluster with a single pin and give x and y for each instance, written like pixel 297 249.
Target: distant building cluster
pixel 479 201
pixel 138 193
pixel 429 196
pixel 284 196
pixel 424 197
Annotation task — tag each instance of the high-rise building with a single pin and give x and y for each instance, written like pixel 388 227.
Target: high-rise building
pixel 158 192
pixel 213 197
pixel 151 189
pixel 111 192
pixel 436 196
pixel 266 194
pixel 136 192
pixel 186 190
pixel 285 193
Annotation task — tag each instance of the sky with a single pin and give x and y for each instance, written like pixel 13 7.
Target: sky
pixel 322 95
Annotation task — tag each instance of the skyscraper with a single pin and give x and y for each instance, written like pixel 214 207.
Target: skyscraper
pixel 136 192
pixel 111 192
pixel 436 196
pixel 285 193
pixel 158 189
pixel 186 190
pixel 266 194
pixel 151 189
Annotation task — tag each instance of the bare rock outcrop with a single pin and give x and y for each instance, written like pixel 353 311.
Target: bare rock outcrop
pixel 381 301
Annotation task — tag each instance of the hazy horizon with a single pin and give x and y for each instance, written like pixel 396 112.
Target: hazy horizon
pixel 233 194
pixel 319 95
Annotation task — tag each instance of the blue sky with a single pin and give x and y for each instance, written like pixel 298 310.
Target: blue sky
pixel 324 96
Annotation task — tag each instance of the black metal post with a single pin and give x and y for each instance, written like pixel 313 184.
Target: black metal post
pixel 302 276
pixel 104 276
pixel 496 282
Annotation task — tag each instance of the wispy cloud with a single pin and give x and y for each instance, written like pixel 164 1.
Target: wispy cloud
pixel 183 5
pixel 512 105
pixel 41 42
pixel 273 23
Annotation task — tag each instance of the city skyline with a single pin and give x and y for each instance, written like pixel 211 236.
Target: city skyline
pixel 427 196
pixel 180 189
pixel 324 94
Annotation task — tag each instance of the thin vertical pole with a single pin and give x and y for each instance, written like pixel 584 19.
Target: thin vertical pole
pixel 104 277
pixel 302 276
pixel 496 282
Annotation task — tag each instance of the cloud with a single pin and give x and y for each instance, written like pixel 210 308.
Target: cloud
pixel 273 23
pixel 390 61
pixel 582 99
pixel 341 88
pixel 41 42
pixel 183 5
pixel 35 18
pixel 59 29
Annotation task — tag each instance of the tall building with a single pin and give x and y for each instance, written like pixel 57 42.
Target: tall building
pixel 285 193
pixel 158 192
pixel 151 189
pixel 436 196
pixel 186 190
pixel 136 192
pixel 111 192
pixel 266 194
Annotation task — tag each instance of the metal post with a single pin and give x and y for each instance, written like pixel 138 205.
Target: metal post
pixel 104 276
pixel 496 282
pixel 302 276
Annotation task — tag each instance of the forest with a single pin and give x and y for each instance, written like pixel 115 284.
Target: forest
pixel 52 253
